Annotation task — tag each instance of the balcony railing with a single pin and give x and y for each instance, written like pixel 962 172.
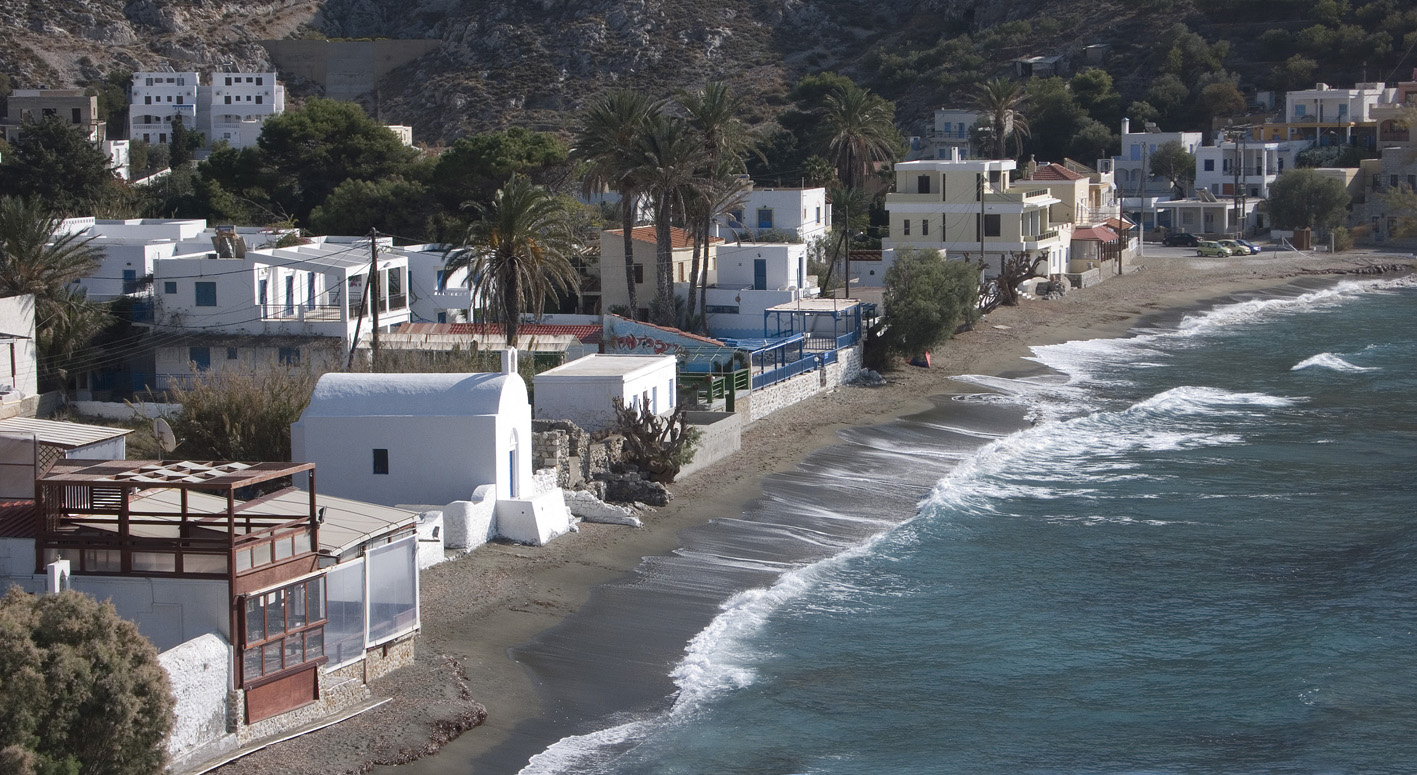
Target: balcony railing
pixel 1040 236
pixel 321 313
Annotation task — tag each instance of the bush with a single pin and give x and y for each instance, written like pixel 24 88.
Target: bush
pixel 80 689
pixel 233 415
pixel 1342 239
pixel 926 299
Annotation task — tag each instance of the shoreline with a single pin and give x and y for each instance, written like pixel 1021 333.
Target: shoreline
pixel 480 606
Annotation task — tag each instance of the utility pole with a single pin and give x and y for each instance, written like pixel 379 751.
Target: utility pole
pixel 982 260
pixel 377 299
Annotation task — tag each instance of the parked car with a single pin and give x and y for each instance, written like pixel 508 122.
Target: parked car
pixel 1212 248
pixel 1254 249
pixel 1236 248
pixel 1180 239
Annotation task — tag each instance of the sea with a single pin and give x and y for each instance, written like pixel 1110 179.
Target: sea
pixel 1189 550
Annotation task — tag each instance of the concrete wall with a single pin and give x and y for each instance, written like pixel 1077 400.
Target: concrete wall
pixel 200 672
pixel 17 320
pixel 720 435
pixel 765 401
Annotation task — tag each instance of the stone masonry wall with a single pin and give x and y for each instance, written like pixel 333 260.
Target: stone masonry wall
pixel 803 386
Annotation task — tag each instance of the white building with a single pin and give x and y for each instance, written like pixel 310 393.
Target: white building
pixel 949 135
pixel 753 276
pixel 19 379
pixel 1252 166
pixel 1139 185
pixel 417 438
pixel 803 213
pixel 131 248
pixel 1324 104
pixel 155 99
pixel 583 391
pixel 235 105
pixel 436 294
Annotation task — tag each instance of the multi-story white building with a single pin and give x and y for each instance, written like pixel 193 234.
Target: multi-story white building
pixel 971 208
pixel 1246 168
pixel 235 105
pixel 803 213
pixel 231 107
pixel 155 99
pixel 951 131
pixel 1132 169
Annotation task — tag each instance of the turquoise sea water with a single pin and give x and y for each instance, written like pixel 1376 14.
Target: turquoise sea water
pixel 1198 556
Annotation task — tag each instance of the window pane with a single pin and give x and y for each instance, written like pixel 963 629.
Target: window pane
pixel 294 650
pixel 393 581
pixel 252 663
pixel 314 644
pixel 271 652
pixel 283 547
pixel 155 562
pixel 315 593
pixel 275 613
pixel 302 543
pixel 260 555
pixel 243 560
pixel 205 563
pixel 297 607
pixel 344 596
pixel 255 620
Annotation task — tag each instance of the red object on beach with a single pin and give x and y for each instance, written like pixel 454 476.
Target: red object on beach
pixel 923 361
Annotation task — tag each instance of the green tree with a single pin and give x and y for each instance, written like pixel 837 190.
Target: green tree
pixel 183 142
pixel 1303 198
pixel 1055 117
pixel 606 140
pixel 1169 94
pixel 1094 91
pixel 1002 102
pixel 1173 162
pixel 112 93
pixel 393 205
pixel 860 130
pixel 668 158
pixel 305 154
pixel 1093 140
pixel 1222 99
pixel 56 163
pixel 926 298
pixel 81 691
pixel 517 253
pixel 474 167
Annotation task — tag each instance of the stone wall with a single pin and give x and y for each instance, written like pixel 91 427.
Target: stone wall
pixel 198 671
pixel 765 401
pixel 568 448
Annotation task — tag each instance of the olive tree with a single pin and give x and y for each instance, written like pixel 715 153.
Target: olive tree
pixel 1303 198
pixel 80 690
pixel 927 297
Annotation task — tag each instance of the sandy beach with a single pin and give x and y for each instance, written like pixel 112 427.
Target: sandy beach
pixel 477 607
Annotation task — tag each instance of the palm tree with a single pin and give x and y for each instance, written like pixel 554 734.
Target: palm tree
pixel 609 130
pixel 715 192
pixel 860 128
pixel 1002 102
pixel 668 157
pixel 712 113
pixel 36 259
pixel 518 252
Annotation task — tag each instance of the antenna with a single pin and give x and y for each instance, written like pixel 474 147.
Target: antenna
pixel 162 432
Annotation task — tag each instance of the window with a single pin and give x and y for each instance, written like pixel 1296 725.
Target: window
pixel 228 83
pixel 381 461
pixel 765 218
pixel 442 317
pixel 922 184
pixel 905 227
pixel 819 215
pixel 74 114
pixel 206 292
pixel 992 225
pixel 231 353
pixel 282 629
pixel 169 286
pixel 924 227
pixel 179 99
pixel 1299 110
pixel 258 99
pixel 440 280
pixel 201 357
pixel 228 99
pixel 148 100
pixel 639 274
pixel 288 356
pixel 1210 165
pixel 260 81
pixel 735 217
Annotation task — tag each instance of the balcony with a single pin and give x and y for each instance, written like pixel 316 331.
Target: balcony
pixel 299 313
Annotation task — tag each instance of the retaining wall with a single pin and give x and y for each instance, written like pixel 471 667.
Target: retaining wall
pixel 765 401
pixel 720 435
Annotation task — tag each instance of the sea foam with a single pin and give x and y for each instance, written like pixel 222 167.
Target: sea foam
pixel 1329 361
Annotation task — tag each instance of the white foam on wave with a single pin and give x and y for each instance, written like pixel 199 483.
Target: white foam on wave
pixel 1191 399
pixel 1329 361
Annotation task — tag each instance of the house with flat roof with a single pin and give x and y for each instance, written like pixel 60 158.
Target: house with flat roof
pixel 802 214
pixel 972 208
pixel 584 390
pixel 614 292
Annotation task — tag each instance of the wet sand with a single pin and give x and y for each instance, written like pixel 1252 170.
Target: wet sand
pixel 478 609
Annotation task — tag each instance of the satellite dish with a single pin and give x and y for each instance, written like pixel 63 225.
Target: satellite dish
pixel 163 433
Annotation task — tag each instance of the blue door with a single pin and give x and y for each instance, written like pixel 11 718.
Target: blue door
pixel 290 294
pixel 261 297
pixel 760 274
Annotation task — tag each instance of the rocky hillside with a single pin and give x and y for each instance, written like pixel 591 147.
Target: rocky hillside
pixel 534 62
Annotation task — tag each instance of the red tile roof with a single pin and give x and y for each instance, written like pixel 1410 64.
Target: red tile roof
pixel 17 519
pixel 678 238
pixel 1095 233
pixel 1051 171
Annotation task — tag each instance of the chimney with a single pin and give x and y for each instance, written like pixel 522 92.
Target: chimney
pixel 1126 126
